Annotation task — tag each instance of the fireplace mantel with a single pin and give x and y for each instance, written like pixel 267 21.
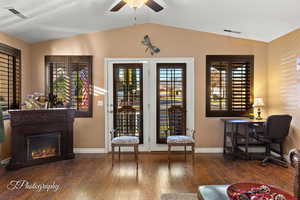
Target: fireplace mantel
pixel 26 124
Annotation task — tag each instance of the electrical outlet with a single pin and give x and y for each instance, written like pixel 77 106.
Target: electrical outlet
pixel 99 103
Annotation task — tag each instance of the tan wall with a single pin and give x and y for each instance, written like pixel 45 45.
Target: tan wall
pixel 126 43
pixel 283 82
pixel 280 76
pixel 26 78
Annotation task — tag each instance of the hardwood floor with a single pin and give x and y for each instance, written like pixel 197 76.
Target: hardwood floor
pixel 91 177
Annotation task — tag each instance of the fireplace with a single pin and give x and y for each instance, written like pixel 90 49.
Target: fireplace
pixel 43 146
pixel 41 136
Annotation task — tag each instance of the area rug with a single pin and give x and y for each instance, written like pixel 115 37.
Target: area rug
pixel 179 196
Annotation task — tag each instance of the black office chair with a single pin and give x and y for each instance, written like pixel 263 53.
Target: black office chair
pixel 275 130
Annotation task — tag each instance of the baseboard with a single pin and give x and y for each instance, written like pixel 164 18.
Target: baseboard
pixel 209 150
pixel 103 150
pixel 90 150
pixel 254 149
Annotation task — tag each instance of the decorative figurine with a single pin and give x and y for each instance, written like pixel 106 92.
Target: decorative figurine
pixel 148 44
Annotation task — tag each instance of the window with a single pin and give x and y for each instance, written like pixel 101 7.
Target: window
pixel 70 79
pixel 10 77
pixel 229 87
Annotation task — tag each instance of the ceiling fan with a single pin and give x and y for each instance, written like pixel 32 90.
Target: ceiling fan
pixel 136 4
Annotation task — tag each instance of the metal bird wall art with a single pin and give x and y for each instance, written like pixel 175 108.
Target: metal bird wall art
pixel 147 42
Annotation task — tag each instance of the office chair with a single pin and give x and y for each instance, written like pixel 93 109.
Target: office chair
pixel 275 130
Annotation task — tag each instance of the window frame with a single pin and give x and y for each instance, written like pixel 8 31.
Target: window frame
pixel 16 54
pixel 50 58
pixel 229 59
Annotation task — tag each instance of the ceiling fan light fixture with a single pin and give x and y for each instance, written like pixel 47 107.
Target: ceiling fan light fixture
pixel 135 3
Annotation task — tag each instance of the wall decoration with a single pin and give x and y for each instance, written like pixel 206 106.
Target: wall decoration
pixel 147 42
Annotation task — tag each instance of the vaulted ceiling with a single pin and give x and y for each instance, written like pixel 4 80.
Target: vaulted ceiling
pixel 262 20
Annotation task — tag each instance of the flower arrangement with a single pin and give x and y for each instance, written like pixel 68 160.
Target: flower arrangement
pixel 35 101
pixel 40 101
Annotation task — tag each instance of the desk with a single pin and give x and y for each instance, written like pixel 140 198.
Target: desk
pixel 236 135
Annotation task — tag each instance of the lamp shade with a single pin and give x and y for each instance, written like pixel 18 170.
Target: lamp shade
pixel 258 102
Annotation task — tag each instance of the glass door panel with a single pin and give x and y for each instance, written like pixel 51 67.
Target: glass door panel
pixel 128 99
pixel 171 100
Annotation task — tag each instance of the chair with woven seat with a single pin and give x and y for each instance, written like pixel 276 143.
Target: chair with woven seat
pixel 124 135
pixel 125 141
pixel 177 134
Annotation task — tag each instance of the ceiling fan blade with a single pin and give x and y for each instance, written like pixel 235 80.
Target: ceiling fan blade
pixel 118 6
pixel 154 6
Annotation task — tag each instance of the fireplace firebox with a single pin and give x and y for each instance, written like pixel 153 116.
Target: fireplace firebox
pixel 43 146
pixel 41 136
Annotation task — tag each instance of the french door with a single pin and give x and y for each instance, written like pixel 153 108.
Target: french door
pixel 149 98
pixel 171 100
pixel 128 100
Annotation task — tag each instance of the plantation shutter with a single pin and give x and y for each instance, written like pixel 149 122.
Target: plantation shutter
pixel 229 85
pixel 69 78
pixel 241 87
pixel 59 79
pixel 10 77
pixel 17 83
pixel 218 86
pixel 80 81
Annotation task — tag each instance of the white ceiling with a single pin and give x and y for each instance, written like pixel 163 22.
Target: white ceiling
pixel 262 20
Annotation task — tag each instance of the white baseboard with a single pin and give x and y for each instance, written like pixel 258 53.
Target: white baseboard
pixel 209 150
pixel 90 150
pixel 254 149
pixel 103 150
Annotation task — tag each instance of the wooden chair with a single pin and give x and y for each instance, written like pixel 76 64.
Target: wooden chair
pixel 124 135
pixel 177 134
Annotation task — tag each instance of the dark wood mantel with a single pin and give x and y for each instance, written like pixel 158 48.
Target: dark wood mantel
pixel 26 123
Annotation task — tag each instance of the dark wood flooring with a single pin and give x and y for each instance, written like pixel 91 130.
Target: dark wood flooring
pixel 91 177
